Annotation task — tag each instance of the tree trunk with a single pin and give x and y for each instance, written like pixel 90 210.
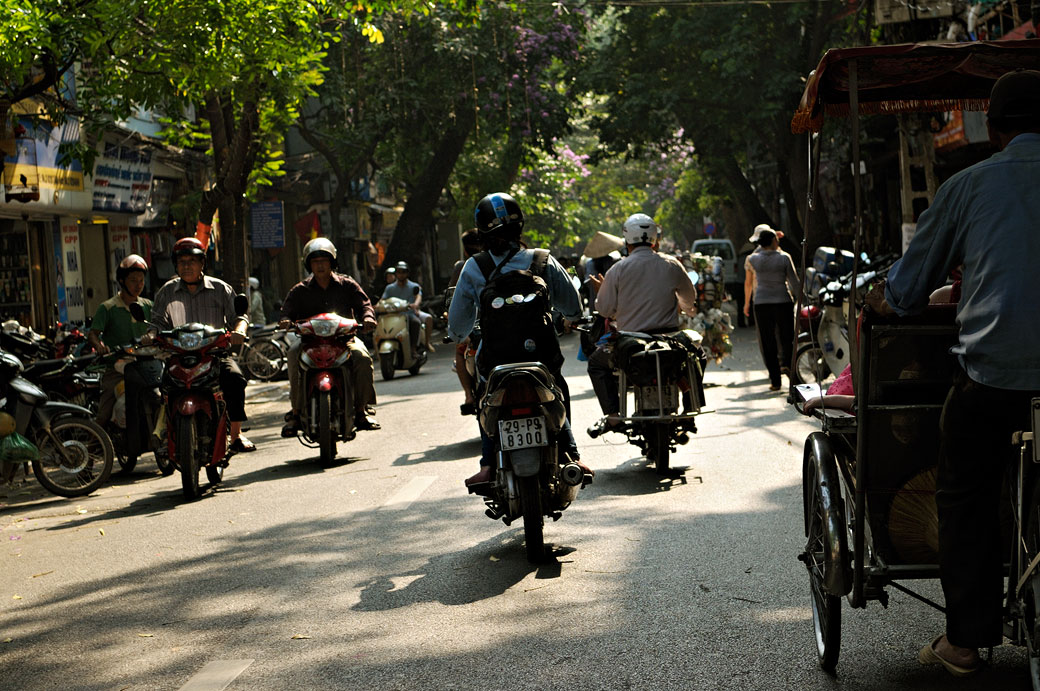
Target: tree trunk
pixel 409 241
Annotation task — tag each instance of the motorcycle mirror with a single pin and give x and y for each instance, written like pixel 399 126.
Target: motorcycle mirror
pixel 137 312
pixel 241 305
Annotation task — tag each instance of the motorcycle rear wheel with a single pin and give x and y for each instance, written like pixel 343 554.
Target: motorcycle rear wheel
pixel 187 456
pixel 386 365
pixel 809 365
pixel 531 504
pixel 658 436
pixel 326 441
pixel 89 457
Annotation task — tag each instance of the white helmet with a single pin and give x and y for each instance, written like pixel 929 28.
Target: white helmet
pixel 254 282
pixel 640 228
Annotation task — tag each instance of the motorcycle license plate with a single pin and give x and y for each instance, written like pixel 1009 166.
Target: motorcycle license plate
pixel 522 433
pixel 648 396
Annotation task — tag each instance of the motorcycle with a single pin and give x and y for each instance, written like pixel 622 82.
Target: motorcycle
pixel 140 365
pixel 658 368
pixel 69 379
pixel 196 418
pixel 266 354
pixel 328 414
pixel 75 454
pixel 393 341
pixel 522 411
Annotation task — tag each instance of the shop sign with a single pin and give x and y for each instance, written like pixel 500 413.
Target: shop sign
pixel 31 155
pixel 73 272
pixel 122 179
pixel 267 225
pixel 118 247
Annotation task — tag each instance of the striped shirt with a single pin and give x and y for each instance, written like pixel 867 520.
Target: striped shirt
pixel 213 304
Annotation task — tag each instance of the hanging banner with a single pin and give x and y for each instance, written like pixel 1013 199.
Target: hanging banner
pixel 59 274
pixel 73 272
pixel 118 247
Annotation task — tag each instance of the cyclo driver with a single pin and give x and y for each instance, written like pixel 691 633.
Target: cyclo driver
pixel 114 327
pixel 643 292
pixel 328 291
pixel 500 222
pixel 193 297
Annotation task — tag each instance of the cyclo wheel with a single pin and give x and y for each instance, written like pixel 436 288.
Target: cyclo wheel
pixel 1029 596
pixel 81 465
pixel 826 552
pixel 265 360
pixel 531 502
pixel 326 442
pixel 187 456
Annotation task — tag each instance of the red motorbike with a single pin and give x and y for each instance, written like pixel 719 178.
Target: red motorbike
pixel 196 417
pixel 328 413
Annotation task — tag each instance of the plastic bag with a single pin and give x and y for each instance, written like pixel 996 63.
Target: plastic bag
pixel 14 448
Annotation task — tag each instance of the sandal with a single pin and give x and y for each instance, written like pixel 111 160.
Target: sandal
pixel 928 656
pixel 242 445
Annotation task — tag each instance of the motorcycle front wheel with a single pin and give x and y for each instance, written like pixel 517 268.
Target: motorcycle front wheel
pixel 326 441
pixel 81 464
pixel 531 503
pixel 187 455
pixel 386 365
pixel 809 366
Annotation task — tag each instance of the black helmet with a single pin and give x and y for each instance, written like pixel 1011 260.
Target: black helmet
pixel 319 247
pixel 130 263
pixel 498 215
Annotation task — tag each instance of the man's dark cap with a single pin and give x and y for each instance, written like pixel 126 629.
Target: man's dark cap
pixel 1015 96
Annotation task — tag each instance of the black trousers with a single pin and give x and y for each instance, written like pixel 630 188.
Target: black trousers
pixel 775 324
pixel 233 385
pixel 976 425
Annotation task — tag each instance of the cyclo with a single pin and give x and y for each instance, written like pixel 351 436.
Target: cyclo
pixel 870 518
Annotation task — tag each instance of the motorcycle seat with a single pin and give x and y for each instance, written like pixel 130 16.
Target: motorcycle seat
pixel 536 369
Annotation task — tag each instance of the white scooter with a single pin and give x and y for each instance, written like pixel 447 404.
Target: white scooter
pixel 392 340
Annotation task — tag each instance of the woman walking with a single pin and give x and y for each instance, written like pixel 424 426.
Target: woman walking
pixel 775 282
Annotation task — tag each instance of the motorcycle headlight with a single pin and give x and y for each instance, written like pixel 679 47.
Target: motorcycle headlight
pixel 324 327
pixel 189 340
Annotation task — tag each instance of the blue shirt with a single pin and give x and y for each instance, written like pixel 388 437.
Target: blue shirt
pixel 406 292
pixel 463 312
pixel 986 218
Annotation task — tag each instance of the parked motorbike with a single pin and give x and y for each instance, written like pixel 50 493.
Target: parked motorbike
pixel 393 341
pixel 196 417
pixel 328 414
pixel 75 454
pixel 69 379
pixel 661 370
pixel 266 353
pixel 24 343
pixel 523 411
pixel 142 368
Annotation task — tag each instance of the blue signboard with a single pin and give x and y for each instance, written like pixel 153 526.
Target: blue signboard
pixel 267 221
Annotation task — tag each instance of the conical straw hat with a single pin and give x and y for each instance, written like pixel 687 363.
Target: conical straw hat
pixel 602 244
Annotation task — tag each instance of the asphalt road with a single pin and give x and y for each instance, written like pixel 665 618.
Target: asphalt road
pixel 380 572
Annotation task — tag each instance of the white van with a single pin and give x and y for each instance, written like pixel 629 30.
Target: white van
pixel 722 248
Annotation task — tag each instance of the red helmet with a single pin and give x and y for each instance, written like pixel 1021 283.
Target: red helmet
pixel 130 263
pixel 190 246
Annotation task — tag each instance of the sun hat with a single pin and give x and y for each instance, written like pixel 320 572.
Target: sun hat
pixel 758 231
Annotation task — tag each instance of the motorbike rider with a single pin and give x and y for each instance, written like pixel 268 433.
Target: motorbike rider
pixel 410 292
pixel 643 292
pixel 328 291
pixel 500 221
pixel 194 297
pixel 114 327
pixel 984 218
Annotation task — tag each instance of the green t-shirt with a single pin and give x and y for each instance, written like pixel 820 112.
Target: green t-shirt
pixel 116 325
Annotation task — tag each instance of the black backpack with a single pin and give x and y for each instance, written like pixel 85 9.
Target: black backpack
pixel 516 322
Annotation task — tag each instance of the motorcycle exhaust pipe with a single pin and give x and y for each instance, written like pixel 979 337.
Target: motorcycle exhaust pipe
pixel 572 474
pixel 683 438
